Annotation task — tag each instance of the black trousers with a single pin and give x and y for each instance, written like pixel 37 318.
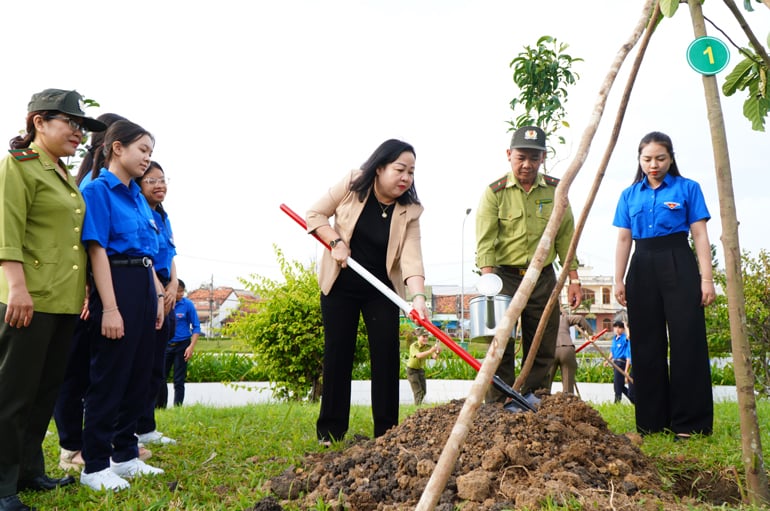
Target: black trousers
pixel 540 375
pixel 341 310
pixel 672 374
pixel 158 375
pixel 120 370
pixel 32 362
pixel 619 382
pixel 68 412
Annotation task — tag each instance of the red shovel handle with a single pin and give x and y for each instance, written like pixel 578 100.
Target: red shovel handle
pixel 592 339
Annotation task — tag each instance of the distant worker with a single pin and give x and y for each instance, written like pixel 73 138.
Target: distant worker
pixel 621 357
pixel 565 349
pixel 419 351
pixel 181 346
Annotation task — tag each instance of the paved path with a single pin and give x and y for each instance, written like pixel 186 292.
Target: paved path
pixel 439 391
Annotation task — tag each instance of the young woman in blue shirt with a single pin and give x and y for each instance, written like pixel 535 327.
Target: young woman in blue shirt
pixel 125 307
pixel 665 290
pixel 154 186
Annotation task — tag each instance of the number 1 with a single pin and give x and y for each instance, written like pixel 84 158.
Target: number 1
pixel 710 53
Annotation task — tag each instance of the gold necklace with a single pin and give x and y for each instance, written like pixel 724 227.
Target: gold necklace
pixel 384 208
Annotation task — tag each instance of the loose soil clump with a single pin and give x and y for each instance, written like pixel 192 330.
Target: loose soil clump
pixel 563 454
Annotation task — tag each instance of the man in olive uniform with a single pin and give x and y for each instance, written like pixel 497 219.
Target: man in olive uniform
pixel 510 220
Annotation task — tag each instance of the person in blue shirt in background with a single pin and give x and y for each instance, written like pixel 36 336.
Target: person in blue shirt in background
pixel 621 356
pixel 180 348
pixel 665 291
pixel 154 186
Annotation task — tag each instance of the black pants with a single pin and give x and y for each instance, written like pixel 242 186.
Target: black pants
pixel 174 358
pixel 32 363
pixel 158 374
pixel 68 412
pixel 666 319
pixel 341 310
pixel 119 370
pixel 540 375
pixel 619 382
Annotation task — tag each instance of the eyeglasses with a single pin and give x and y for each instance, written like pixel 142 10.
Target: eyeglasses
pixel 75 125
pixel 156 181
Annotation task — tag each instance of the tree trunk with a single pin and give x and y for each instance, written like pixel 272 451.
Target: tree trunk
pixel 751 443
pixel 449 455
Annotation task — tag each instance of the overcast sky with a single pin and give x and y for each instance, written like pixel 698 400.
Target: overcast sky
pixel 254 104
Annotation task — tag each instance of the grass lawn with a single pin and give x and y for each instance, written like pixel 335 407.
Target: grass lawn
pixel 223 455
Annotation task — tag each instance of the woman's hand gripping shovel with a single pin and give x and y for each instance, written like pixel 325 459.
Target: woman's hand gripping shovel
pixel 521 404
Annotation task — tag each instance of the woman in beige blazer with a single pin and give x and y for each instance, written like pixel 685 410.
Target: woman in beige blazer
pixel 376 220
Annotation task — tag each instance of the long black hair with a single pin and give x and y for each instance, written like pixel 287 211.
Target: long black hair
pixel 125 132
pixel 386 153
pixel 658 138
pixel 93 161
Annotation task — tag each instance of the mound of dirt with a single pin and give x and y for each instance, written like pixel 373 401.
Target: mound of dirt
pixel 564 455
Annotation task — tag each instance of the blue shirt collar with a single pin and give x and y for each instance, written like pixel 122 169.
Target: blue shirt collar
pixel 113 181
pixel 667 180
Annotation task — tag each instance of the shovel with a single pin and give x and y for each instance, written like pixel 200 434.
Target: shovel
pixel 518 403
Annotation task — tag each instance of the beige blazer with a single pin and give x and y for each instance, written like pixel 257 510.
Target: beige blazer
pixel 404 257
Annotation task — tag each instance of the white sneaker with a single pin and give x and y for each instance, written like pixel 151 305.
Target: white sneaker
pixel 134 467
pixel 104 480
pixel 155 437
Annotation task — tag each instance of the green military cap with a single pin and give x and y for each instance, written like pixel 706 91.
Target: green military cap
pixel 68 102
pixel 528 137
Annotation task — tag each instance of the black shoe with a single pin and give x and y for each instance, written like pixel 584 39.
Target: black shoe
pixel 43 483
pixel 12 503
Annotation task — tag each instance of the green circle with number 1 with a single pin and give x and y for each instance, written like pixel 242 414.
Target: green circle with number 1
pixel 708 55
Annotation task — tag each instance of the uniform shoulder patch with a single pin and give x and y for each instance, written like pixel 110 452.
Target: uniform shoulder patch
pixel 498 185
pixel 24 154
pixel 550 180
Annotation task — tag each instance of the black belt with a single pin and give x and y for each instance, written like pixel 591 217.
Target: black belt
pixel 521 271
pixel 131 261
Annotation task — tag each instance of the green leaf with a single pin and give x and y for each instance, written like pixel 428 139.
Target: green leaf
pixel 735 80
pixel 668 7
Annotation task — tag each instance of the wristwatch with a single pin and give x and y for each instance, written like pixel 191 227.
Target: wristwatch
pixel 334 243
pixel 574 281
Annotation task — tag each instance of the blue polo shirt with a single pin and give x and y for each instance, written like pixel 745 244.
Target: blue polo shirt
pixel 118 217
pixel 187 322
pixel 621 347
pixel 166 247
pixel 671 208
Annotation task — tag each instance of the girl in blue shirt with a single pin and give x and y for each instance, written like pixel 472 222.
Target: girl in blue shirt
pixel 124 306
pixel 154 188
pixel 665 291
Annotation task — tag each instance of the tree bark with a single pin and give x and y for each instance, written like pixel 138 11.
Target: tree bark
pixel 751 442
pixel 459 433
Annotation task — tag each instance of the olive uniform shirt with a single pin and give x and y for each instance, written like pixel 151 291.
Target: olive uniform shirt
pixel 511 221
pixel 41 219
pixel 414 361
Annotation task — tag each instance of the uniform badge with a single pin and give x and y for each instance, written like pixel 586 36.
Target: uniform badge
pixel 672 205
pixel 499 184
pixel 530 135
pixel 24 154
pixel 550 180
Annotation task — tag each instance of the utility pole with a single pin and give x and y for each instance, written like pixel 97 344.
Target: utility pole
pixel 462 277
pixel 211 306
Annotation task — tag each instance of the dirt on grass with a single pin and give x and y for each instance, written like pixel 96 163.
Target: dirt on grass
pixel 562 455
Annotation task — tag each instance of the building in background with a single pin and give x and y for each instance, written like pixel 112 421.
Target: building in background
pixel 217 307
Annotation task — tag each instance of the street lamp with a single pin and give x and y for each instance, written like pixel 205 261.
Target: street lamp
pixel 462 277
